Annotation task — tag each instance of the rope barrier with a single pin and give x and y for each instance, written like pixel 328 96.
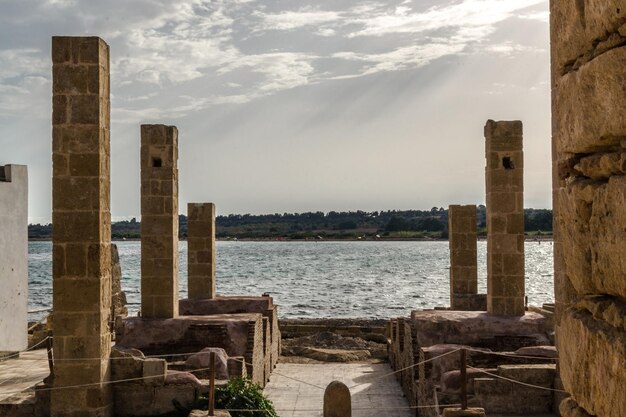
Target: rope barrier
pixel 404 369
pixel 17 354
pixel 41 310
pixel 107 382
pixel 23 371
pixel 517 382
pixel 511 355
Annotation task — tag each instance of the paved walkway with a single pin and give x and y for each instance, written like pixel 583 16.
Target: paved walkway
pixel 23 372
pixel 380 398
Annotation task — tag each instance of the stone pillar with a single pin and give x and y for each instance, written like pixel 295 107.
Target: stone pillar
pixel 13 257
pixel 588 54
pixel 463 253
pixel 81 234
pixel 159 221
pixel 505 218
pixel 201 250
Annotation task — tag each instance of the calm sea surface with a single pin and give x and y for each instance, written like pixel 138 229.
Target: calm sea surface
pixel 319 279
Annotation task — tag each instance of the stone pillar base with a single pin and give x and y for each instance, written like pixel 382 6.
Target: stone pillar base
pixel 469 412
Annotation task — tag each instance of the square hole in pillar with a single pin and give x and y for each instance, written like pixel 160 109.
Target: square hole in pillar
pixel 157 162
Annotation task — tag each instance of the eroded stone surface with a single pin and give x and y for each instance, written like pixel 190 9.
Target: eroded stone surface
pixel 81 238
pixel 159 221
pixel 504 175
pixel 463 252
pixel 201 250
pixel 588 45
pixel 589 105
pixel 593 361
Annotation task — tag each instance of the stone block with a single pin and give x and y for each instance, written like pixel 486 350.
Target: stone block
pixel 468 412
pixel 589 105
pixel 154 371
pixel 577 28
pixel 542 374
pixel 593 246
pixel 201 360
pixel 592 356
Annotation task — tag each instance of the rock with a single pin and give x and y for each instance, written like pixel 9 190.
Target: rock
pixel 201 360
pixel 178 377
pixel 332 355
pixel 451 380
pixel 569 408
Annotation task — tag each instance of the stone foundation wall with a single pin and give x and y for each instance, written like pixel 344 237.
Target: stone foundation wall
pixel 245 304
pixel 588 48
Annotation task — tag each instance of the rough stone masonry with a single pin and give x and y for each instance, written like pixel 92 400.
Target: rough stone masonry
pixel 81 238
pixel 504 176
pixel 201 250
pixel 463 253
pixel 159 221
pixel 588 54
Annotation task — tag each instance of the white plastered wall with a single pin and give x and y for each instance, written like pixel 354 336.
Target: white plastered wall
pixel 13 258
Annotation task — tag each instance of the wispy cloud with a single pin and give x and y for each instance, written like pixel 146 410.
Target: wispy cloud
pixel 229 49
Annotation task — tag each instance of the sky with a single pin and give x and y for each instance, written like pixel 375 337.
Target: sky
pixel 293 105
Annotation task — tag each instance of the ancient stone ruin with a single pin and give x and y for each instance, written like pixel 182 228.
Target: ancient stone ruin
pixel 160 360
pixel 588 44
pixel 81 227
pixel 13 258
pixel 201 250
pixel 463 263
pixel 504 176
pixel 504 342
pixel 159 221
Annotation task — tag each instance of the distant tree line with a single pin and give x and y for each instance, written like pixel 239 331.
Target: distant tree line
pixel 431 223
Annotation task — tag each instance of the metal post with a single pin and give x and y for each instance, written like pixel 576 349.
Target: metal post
pixel 463 380
pixel 212 385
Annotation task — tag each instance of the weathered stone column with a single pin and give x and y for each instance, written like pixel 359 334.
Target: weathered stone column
pixel 505 218
pixel 159 221
pixel 81 234
pixel 463 252
pixel 201 250
pixel 588 54
pixel 13 257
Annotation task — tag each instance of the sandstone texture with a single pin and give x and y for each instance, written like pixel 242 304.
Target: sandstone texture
pixel 463 252
pixel 159 221
pixel 588 44
pixel 239 335
pixel 201 250
pixel 504 177
pixel 81 238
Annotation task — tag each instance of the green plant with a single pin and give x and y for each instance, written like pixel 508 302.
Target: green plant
pixel 243 394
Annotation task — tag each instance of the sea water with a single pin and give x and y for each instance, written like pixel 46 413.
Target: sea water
pixel 372 279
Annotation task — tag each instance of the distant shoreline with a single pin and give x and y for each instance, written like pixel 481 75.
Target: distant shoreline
pixel 528 238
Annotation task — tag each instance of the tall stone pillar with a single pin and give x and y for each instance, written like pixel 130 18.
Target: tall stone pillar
pixel 505 218
pixel 81 234
pixel 13 258
pixel 159 221
pixel 201 250
pixel 463 253
pixel 588 55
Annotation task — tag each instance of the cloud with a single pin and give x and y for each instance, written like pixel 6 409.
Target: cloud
pixel 230 51
pixel 289 20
